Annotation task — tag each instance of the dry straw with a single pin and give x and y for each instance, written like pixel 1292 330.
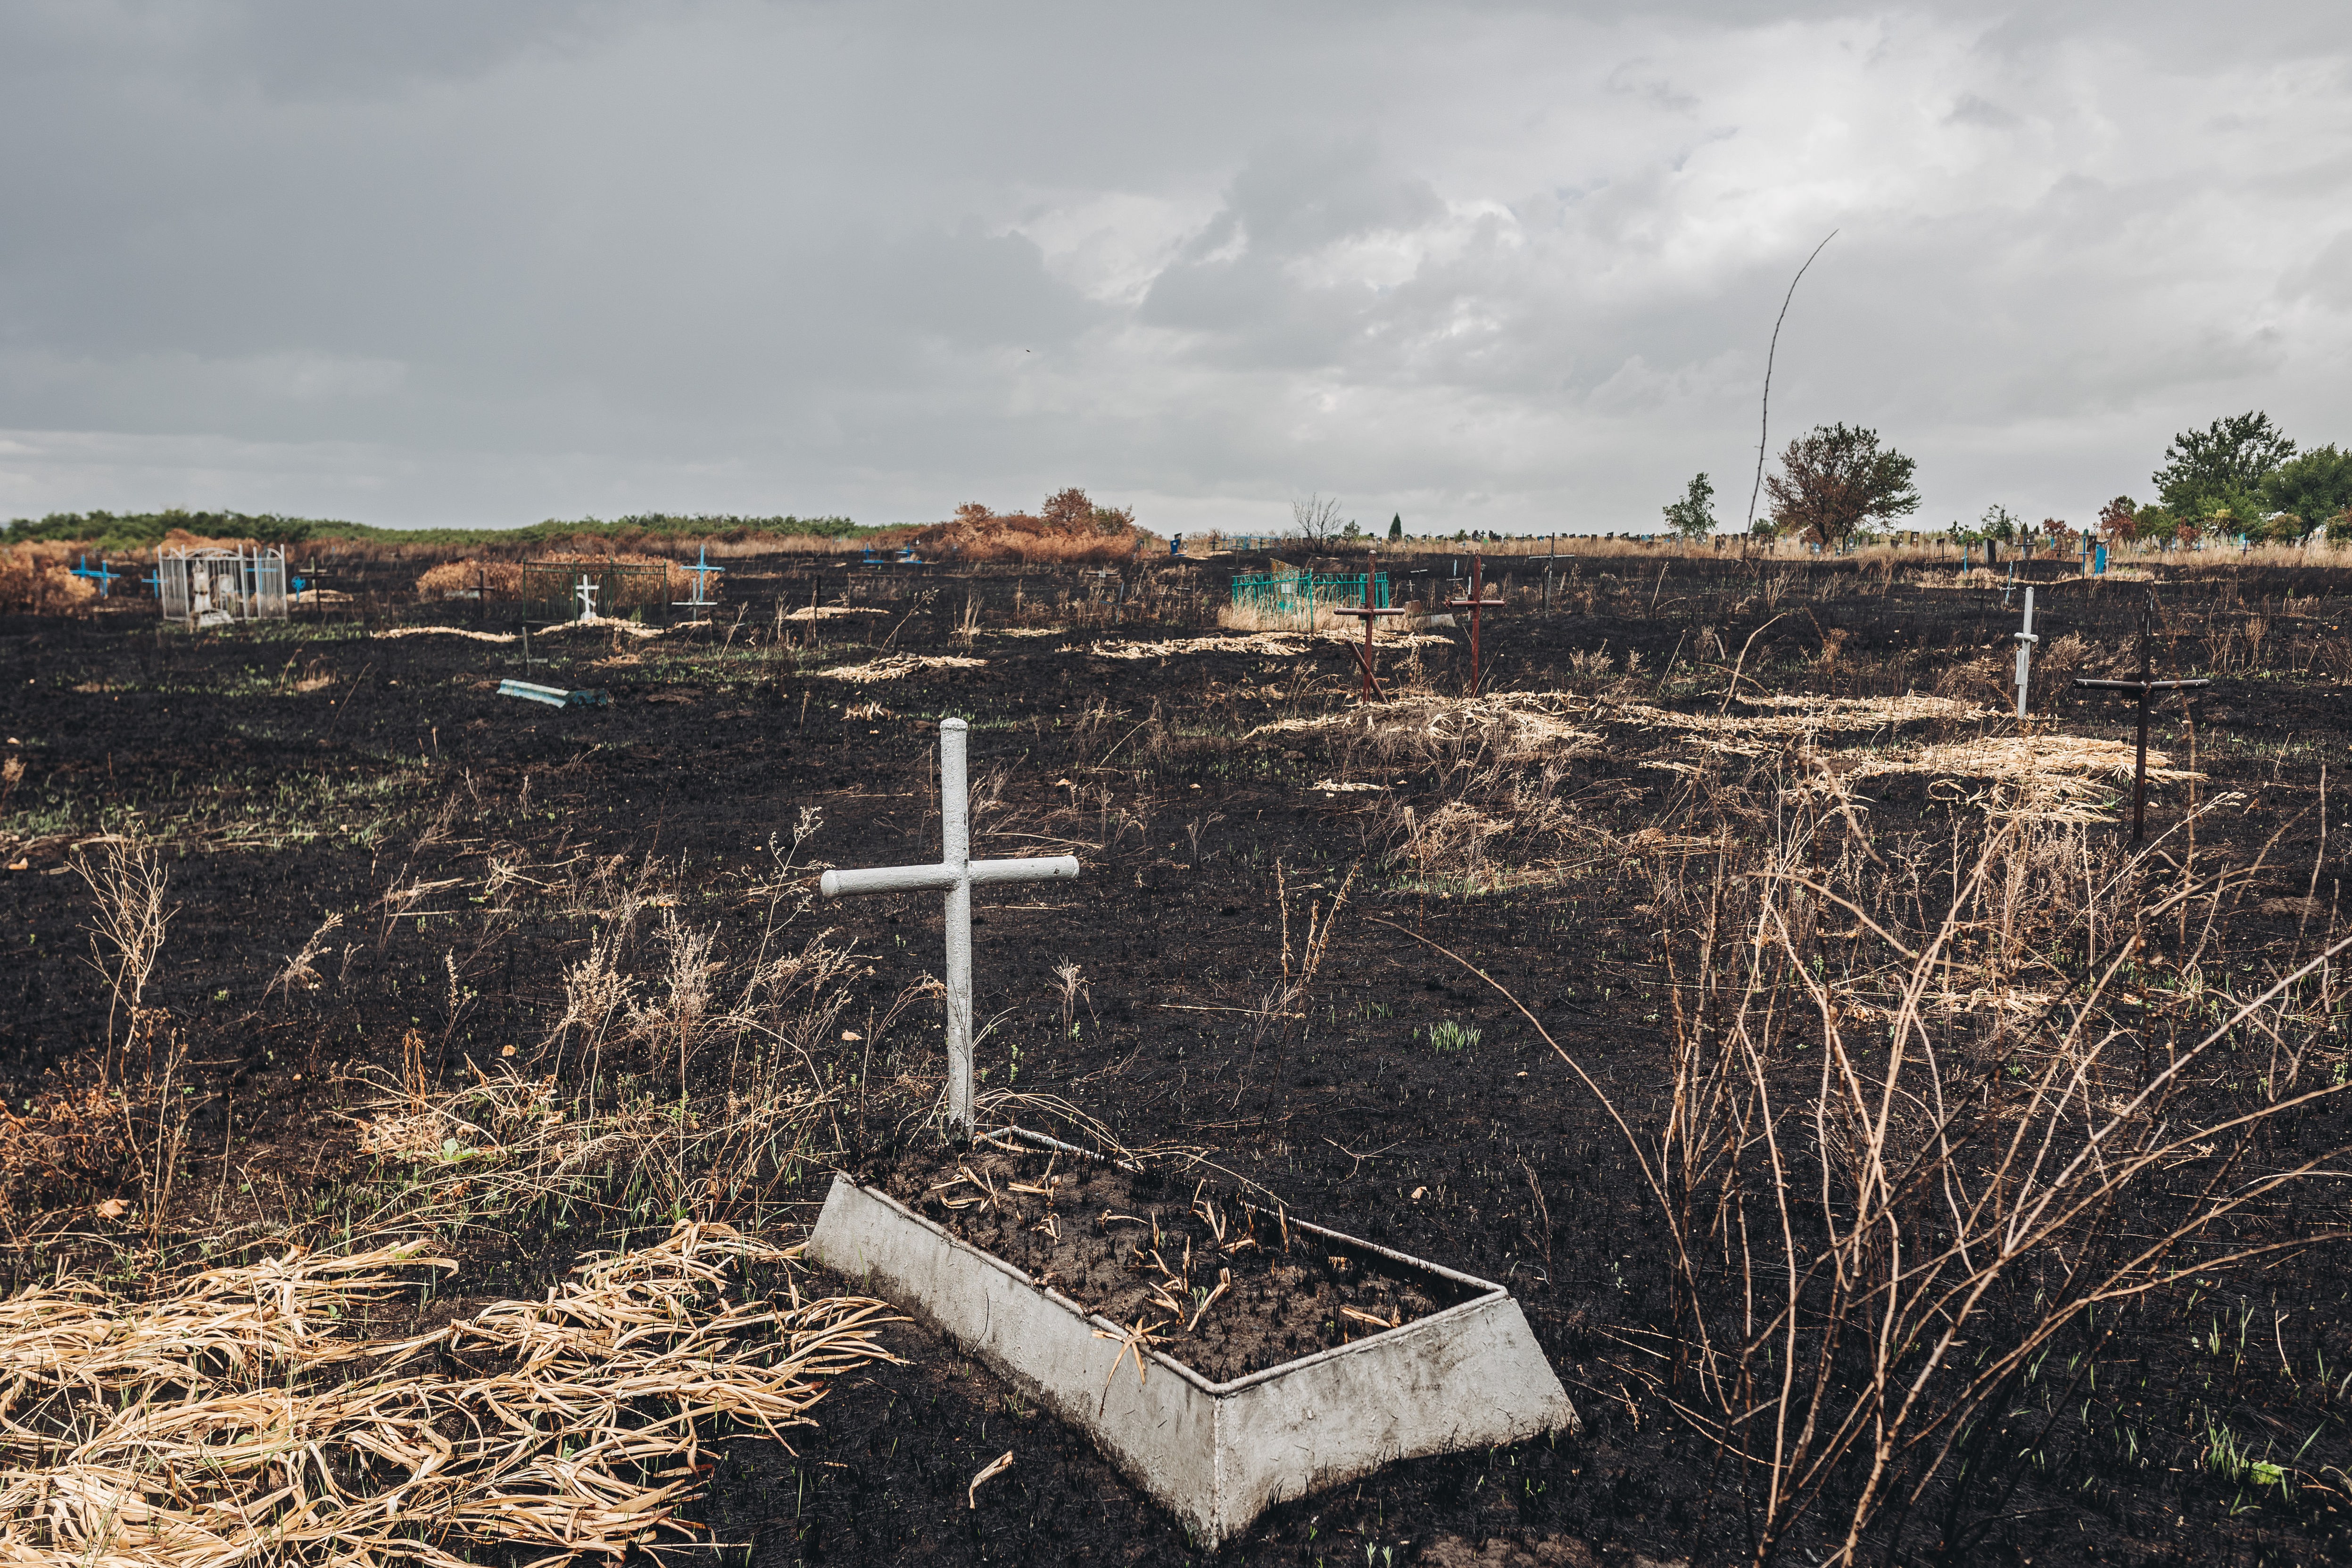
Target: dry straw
pixel 194 1431
pixel 1752 734
pixel 892 665
pixel 1286 644
pixel 1528 719
pixel 2050 778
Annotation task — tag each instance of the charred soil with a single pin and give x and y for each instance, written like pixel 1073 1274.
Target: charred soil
pixel 385 880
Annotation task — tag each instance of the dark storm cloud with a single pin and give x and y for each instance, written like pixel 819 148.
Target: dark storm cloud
pixel 1486 264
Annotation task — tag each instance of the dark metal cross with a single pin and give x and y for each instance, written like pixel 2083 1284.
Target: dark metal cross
pixel 1476 604
pixel 2144 687
pixel 1368 613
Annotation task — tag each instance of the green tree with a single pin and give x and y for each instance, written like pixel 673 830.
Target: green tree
pixel 2316 485
pixel 1836 479
pixel 1396 526
pixel 2221 466
pixel 1693 517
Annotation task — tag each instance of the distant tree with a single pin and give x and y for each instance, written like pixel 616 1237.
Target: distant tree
pixel 2319 484
pixel 1836 479
pixel 1070 511
pixel 2339 527
pixel 2055 526
pixel 1396 526
pixel 1997 524
pixel 2221 466
pixel 1693 517
pixel 2119 517
pixel 1316 518
pixel 1067 512
pixel 1351 531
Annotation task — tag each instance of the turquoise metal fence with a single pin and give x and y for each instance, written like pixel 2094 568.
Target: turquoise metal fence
pixel 1300 592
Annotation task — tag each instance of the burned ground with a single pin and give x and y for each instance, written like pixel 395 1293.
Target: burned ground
pixel 1561 838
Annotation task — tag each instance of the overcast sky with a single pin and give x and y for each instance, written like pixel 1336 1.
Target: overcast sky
pixel 1488 266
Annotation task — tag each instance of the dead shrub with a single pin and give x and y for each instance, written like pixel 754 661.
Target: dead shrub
pixel 37 579
pixel 501 579
pixel 1911 1141
pixel 1070 528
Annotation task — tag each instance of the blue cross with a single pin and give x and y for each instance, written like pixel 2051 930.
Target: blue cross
pixel 102 577
pixel 701 569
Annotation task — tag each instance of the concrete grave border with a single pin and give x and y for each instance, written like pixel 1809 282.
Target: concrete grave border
pixel 1216 1453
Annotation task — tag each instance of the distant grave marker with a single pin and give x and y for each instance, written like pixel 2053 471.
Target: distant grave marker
pixel 2025 641
pixel 1478 605
pixel 1369 612
pixel 2142 686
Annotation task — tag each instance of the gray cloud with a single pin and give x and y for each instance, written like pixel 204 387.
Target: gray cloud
pixel 1489 264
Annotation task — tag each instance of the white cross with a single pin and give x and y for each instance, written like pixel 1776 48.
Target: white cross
pixel 2025 641
pixel 956 874
pixel 586 593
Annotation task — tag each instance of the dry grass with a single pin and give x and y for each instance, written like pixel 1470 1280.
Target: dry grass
pixel 37 579
pixel 1932 1109
pixel 1525 722
pixel 1255 618
pixel 1796 718
pixel 1286 644
pixel 1064 533
pixel 891 667
pixel 445 632
pixel 2057 778
pixel 502 579
pixel 194 1432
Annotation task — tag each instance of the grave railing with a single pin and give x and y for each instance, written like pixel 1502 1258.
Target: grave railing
pixel 1296 593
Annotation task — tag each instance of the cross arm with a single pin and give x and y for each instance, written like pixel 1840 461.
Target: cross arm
pixel 938 879
pixel 889 879
pixel 1033 869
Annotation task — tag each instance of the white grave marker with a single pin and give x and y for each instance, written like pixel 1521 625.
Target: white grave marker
pixel 2025 641
pixel 956 875
pixel 586 594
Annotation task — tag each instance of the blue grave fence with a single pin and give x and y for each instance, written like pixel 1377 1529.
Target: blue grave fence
pixel 1296 593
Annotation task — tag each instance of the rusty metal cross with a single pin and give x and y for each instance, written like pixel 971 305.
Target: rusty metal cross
pixel 1478 605
pixel 1368 613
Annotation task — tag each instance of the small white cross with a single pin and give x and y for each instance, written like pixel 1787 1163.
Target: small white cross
pixel 956 874
pixel 586 593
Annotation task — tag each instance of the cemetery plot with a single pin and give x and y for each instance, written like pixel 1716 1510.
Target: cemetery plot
pixel 1214 1278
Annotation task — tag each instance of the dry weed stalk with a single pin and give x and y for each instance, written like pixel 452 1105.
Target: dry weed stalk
pixel 572 1426
pixel 1899 1159
pixel 1278 1011
pixel 298 969
pixel 127 882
